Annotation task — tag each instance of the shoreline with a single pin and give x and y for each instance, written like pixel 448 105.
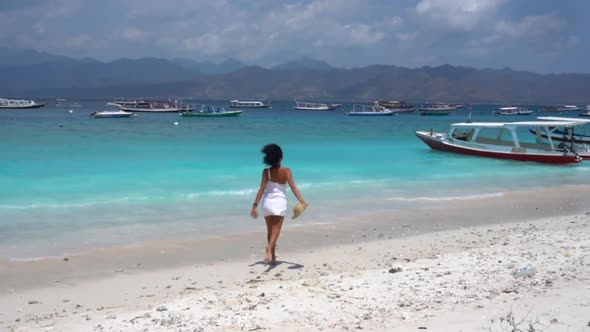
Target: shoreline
pixel 459 279
pixel 455 261
pixel 157 255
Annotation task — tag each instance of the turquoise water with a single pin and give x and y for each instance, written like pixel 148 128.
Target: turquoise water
pixel 69 183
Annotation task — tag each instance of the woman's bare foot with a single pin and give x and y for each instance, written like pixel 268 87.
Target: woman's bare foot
pixel 267 257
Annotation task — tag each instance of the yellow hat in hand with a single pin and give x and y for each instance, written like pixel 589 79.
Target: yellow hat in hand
pixel 298 209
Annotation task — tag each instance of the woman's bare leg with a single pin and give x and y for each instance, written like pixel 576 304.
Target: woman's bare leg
pixel 276 225
pixel 267 256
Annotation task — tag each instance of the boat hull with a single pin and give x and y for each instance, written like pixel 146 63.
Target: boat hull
pixel 514 114
pixel 22 107
pixel 403 110
pixel 263 106
pixel 437 143
pixel 211 115
pixel 155 110
pixel 385 113
pixel 326 108
pixel 434 113
pixel 110 116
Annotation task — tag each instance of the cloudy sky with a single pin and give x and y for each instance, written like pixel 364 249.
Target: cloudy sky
pixel 538 35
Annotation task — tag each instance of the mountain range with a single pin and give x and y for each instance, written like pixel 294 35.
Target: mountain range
pixel 29 73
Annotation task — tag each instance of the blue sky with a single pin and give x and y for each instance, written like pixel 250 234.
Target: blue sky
pixel 538 35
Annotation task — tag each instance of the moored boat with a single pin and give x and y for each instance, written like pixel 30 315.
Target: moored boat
pixel 586 112
pixel 578 142
pixel 111 114
pixel 566 108
pixel 19 104
pixel 366 110
pixel 511 110
pixel 435 109
pixel 207 111
pixel 307 106
pixel 236 103
pixel 503 140
pixel 397 106
pixel 155 107
pixel 120 102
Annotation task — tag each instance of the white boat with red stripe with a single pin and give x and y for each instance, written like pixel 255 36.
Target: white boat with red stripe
pixel 505 140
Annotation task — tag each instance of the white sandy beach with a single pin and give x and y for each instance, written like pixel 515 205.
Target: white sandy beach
pixel 456 280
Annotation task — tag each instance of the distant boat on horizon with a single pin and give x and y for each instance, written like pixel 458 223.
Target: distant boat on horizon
pixel 111 114
pixel 566 108
pixel 207 111
pixel 512 110
pixel 61 102
pixel 236 103
pixel 436 109
pixel 370 110
pixel 154 107
pixel 398 106
pixel 586 112
pixel 308 106
pixel 19 104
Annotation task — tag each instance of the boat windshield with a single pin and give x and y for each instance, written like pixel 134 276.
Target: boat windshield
pixel 492 136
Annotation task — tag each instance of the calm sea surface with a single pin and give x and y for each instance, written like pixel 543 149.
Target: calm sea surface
pixel 69 183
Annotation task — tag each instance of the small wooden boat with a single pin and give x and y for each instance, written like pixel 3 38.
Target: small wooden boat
pixel 305 106
pixel 502 140
pixel 211 112
pixel 111 114
pixel 365 110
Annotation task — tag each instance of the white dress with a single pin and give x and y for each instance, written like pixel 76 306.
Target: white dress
pixel 274 201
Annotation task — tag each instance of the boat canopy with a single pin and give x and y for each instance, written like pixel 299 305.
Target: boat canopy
pixel 557 118
pixel 517 124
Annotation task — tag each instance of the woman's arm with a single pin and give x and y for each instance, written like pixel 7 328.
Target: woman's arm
pixel 294 187
pixel 254 212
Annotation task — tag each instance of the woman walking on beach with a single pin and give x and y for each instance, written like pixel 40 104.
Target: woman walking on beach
pixel 272 191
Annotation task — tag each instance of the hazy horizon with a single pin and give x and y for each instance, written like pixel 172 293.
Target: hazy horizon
pixel 288 61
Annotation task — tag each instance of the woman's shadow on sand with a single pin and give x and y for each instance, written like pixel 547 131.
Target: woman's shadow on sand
pixel 272 266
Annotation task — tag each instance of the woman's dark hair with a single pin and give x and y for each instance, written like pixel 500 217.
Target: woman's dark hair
pixel 272 154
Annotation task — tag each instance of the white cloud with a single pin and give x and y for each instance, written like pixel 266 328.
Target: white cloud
pixel 267 32
pixel 458 14
pixel 362 35
pixel 533 27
